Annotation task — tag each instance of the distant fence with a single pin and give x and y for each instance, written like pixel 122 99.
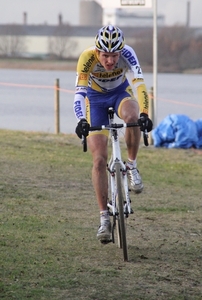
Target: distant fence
pixel 56 88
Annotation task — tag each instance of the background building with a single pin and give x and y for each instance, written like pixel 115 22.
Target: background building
pixel 124 17
pixel 91 13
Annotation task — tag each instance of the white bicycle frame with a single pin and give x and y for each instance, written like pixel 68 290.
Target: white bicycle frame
pixel 117 159
pixel 118 191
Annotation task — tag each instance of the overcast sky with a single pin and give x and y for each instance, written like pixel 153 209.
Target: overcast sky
pixel 47 11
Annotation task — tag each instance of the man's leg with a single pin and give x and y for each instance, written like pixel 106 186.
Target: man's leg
pixel 129 112
pixel 98 145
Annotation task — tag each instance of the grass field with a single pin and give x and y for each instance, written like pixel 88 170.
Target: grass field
pixel 37 64
pixel 49 219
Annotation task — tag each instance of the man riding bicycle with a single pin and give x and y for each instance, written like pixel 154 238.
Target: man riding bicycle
pixel 101 83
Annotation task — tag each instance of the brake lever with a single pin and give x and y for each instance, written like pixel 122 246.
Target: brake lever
pixel 84 143
pixel 145 137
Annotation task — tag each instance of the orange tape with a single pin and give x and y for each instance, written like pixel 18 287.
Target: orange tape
pixel 36 86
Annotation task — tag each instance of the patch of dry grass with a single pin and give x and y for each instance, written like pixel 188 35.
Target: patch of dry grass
pixel 49 219
pixel 34 64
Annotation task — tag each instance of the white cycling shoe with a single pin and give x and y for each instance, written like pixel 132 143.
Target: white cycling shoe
pixel 135 180
pixel 104 231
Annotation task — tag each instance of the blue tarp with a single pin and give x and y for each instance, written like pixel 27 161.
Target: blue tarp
pixel 178 131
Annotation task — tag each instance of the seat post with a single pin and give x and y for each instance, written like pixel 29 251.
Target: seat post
pixel 111 113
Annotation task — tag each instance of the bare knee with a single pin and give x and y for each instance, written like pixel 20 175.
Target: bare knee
pixel 131 117
pixel 99 163
pixel 98 146
pixel 130 111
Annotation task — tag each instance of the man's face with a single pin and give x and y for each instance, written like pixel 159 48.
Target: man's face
pixel 108 60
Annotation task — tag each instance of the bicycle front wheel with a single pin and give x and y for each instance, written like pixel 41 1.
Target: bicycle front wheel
pixel 122 241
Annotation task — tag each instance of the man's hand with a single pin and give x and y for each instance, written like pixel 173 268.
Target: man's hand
pixel 145 122
pixel 82 128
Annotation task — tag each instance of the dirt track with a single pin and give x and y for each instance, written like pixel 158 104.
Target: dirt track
pixel 37 64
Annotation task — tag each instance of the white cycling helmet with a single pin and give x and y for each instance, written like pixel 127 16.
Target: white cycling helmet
pixel 109 39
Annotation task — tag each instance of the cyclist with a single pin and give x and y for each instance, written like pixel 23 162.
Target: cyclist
pixel 101 83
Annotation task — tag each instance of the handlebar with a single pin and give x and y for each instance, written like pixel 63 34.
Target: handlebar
pixel 114 126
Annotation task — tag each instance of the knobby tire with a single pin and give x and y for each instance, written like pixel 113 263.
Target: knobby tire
pixel 121 219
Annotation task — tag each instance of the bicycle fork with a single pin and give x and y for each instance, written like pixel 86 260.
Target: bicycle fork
pixel 127 203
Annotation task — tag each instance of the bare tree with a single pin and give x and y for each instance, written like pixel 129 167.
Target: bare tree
pixel 172 42
pixel 143 46
pixel 178 48
pixel 60 44
pixel 12 43
pixel 191 56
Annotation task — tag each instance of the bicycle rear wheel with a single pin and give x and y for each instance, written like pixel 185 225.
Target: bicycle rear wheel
pixel 121 230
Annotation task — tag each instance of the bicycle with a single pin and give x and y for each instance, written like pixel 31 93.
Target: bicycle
pixel 119 203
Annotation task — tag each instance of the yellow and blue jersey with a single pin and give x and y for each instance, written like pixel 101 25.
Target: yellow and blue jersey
pixel 92 77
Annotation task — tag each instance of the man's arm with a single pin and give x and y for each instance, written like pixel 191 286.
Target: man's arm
pixel 142 95
pixel 79 102
pixel 131 58
pixel 86 60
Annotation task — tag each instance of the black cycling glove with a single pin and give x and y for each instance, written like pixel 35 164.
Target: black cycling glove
pixel 145 122
pixel 82 128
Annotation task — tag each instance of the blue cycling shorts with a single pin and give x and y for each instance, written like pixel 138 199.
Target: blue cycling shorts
pixel 97 103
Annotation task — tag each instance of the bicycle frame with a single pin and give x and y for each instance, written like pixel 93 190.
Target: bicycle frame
pixel 117 159
pixel 118 191
pixel 119 203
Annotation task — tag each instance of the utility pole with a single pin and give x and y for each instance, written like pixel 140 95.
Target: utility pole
pixel 155 63
pixel 188 15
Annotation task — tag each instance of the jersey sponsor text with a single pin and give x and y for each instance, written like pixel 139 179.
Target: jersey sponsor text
pixel 86 67
pixel 78 109
pixel 127 54
pixel 108 74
